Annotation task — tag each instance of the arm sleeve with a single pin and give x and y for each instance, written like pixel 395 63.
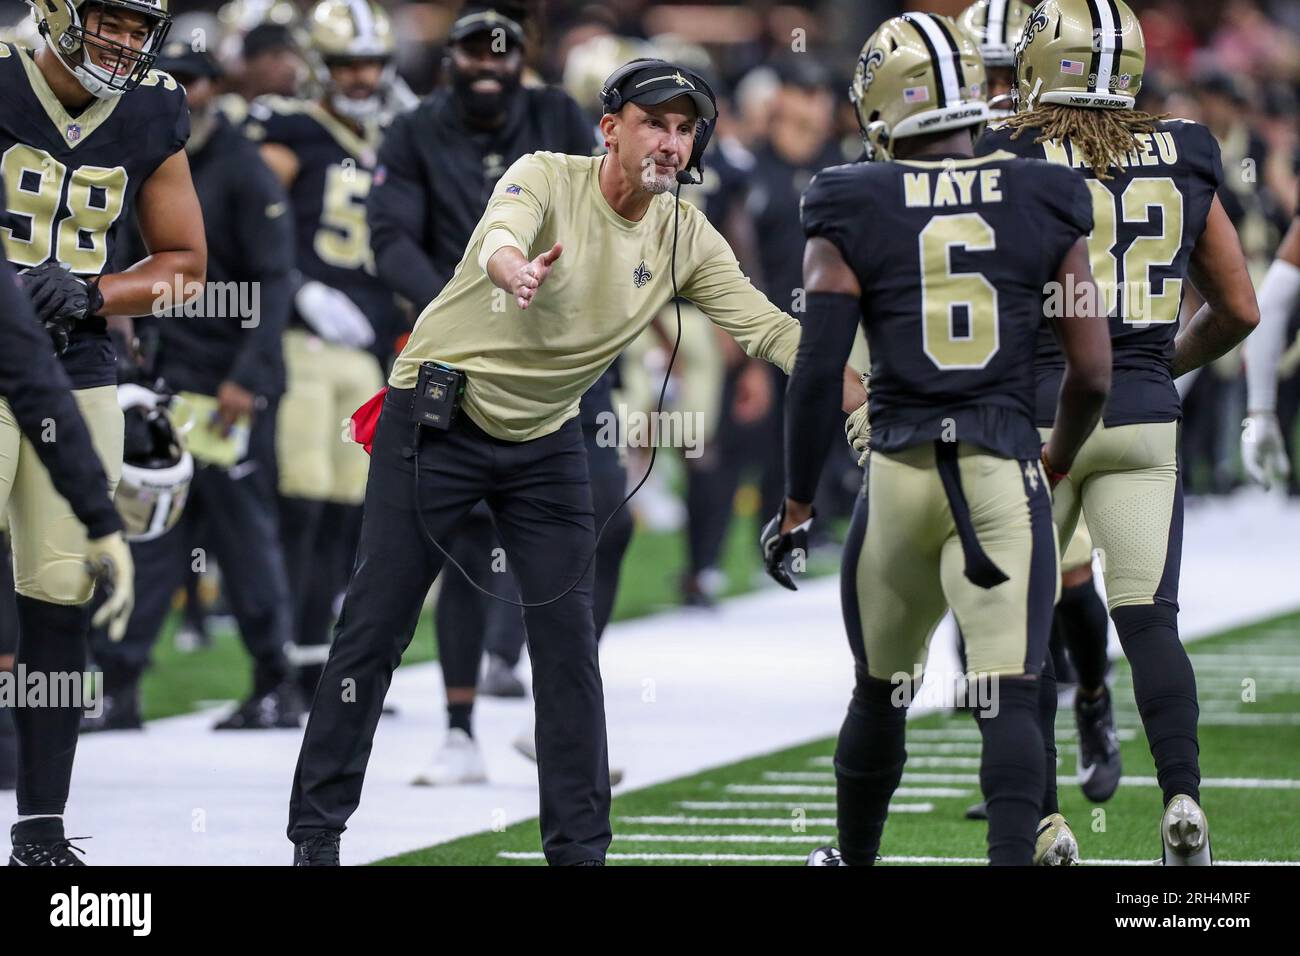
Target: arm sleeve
pixel 38 391
pixel 517 209
pixel 267 236
pixel 812 399
pixel 723 293
pixel 1279 294
pixel 397 213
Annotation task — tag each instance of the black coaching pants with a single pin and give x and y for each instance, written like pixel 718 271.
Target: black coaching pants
pixel 540 497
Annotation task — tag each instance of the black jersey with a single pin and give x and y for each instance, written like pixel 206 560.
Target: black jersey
pixel 70 180
pixel 335 172
pixel 1148 218
pixel 953 257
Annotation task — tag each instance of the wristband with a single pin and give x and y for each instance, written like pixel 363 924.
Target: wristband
pixel 1054 477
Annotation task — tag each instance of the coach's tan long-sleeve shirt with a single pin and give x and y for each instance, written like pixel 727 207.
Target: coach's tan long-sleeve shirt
pixel 528 369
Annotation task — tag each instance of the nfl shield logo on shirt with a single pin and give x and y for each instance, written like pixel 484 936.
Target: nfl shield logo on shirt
pixel 74 132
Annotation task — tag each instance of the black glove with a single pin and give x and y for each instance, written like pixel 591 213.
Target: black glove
pixel 777 546
pixel 60 299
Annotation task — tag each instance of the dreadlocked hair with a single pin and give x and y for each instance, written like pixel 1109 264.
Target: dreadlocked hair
pixel 1105 137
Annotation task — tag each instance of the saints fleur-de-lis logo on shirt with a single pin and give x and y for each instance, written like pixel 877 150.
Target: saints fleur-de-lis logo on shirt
pixel 641 275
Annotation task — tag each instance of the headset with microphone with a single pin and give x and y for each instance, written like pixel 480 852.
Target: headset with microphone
pixel 614 95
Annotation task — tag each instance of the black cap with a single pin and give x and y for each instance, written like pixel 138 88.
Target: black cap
pixel 179 57
pixel 659 81
pixel 266 37
pixel 476 20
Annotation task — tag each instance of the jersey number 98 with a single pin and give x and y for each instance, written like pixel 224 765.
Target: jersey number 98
pixel 37 187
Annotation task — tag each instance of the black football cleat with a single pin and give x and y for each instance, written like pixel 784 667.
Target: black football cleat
pixel 42 843
pixel 825 856
pixel 118 711
pixel 977 811
pixel 277 709
pixel 319 849
pixel 1099 767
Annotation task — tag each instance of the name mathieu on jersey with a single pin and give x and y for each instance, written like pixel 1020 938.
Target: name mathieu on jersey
pixel 71 177
pixel 953 256
pixel 1148 218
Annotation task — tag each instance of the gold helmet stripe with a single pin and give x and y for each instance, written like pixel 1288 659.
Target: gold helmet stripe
pixel 947 65
pixel 997 22
pixel 1107 44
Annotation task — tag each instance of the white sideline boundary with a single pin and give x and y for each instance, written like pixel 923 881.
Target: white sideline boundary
pixel 685 691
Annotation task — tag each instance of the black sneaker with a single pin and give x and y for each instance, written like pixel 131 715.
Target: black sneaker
pixel 1099 759
pixel 118 711
pixel 319 849
pixel 500 680
pixel 280 708
pixel 42 843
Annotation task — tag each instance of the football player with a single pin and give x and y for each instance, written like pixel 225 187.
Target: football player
pixel 995 27
pixel 345 319
pixel 88 130
pixel 1079 625
pixel 926 246
pixel 1264 451
pixel 1078 66
pixel 226 363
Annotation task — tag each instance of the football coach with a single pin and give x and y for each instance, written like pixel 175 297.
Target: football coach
pixel 569 263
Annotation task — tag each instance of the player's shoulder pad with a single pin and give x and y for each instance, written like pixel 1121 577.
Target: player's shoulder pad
pixel 839 193
pixel 1196 143
pixel 276 118
pixel 1061 188
pixel 161 90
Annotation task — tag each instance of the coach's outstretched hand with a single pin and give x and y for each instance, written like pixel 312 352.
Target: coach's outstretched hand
pixel 528 278
pixel 108 561
pixel 786 536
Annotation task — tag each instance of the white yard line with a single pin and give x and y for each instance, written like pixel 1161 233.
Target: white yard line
pixel 685 692
pixel 800 857
pixel 794 789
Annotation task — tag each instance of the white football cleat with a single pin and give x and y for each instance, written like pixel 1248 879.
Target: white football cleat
pixel 825 856
pixel 1185 833
pixel 1054 844
pixel 525 743
pixel 458 762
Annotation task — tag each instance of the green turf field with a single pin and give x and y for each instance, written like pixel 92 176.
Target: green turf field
pixel 180 681
pixel 773 809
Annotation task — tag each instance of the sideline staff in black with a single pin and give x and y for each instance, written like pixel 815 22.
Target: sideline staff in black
pixel 559 320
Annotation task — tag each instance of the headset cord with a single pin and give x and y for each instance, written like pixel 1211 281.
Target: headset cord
pixel 654 451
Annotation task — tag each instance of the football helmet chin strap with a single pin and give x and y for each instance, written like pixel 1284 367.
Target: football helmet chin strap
pixel 70 50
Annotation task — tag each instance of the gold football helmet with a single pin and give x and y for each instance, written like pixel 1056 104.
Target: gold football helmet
pixel 62 23
pixel 917 74
pixel 341 31
pixel 995 27
pixel 1086 53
